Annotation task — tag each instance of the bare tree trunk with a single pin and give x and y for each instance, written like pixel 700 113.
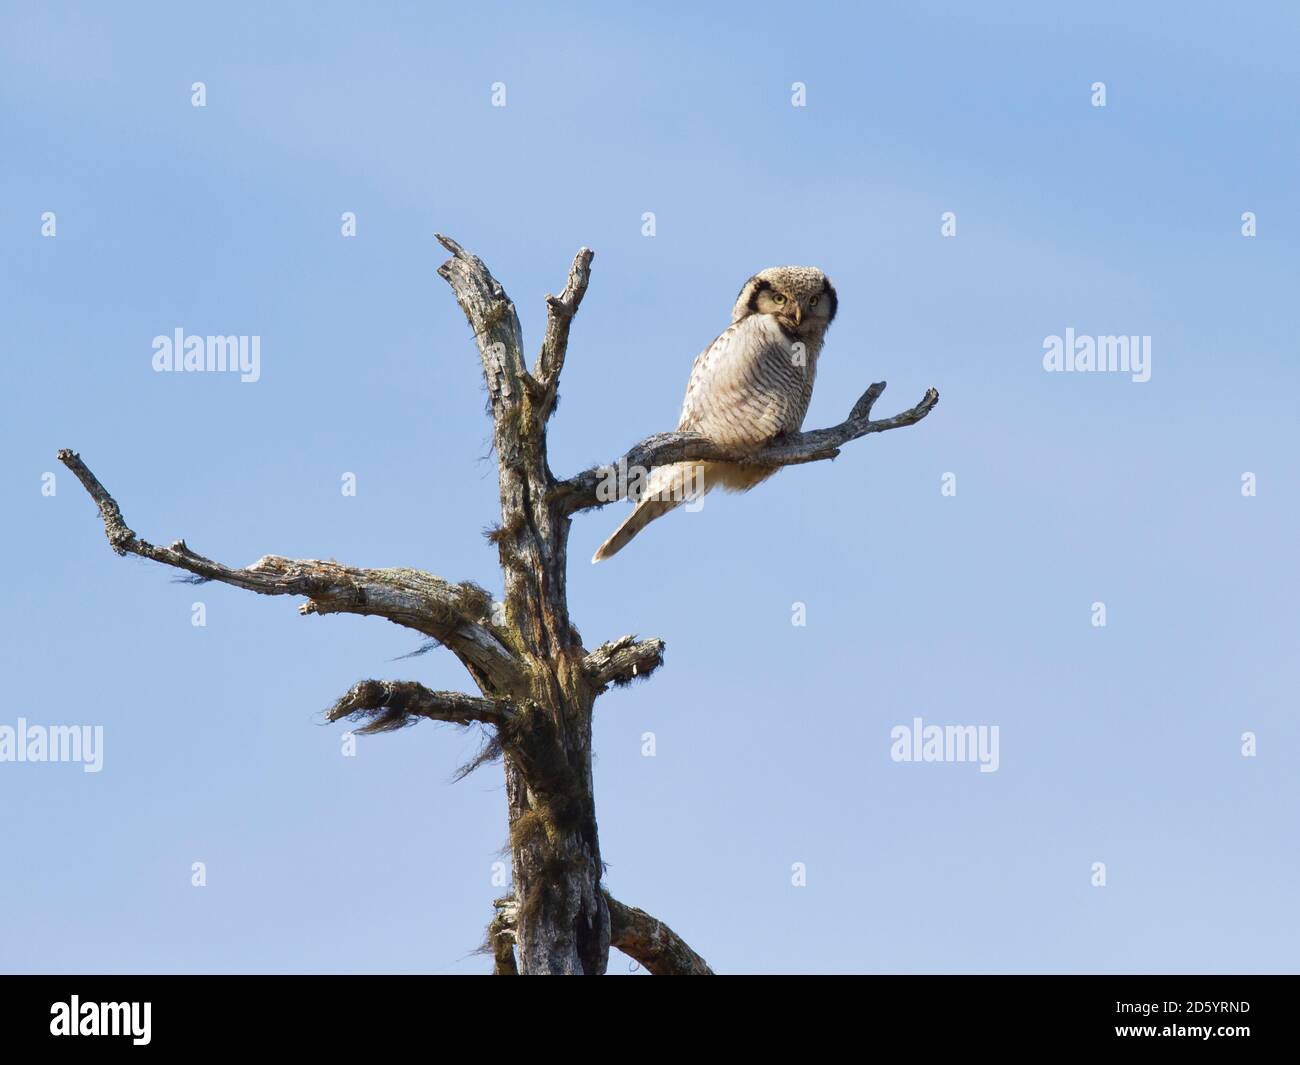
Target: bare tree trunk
pixel 537 683
pixel 563 922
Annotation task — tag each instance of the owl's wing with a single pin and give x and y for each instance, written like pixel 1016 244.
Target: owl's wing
pixel 746 387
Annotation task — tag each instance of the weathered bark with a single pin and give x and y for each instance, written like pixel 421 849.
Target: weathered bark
pixel 602 484
pixel 623 660
pixel 652 943
pixel 643 938
pixel 387 705
pixel 563 924
pixel 501 937
pixel 537 682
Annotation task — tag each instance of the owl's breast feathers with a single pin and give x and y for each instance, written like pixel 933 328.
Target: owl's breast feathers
pixel 751 384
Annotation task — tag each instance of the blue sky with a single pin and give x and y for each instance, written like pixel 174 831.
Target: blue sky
pixel 1118 744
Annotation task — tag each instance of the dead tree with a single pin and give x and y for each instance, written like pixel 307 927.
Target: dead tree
pixel 537 683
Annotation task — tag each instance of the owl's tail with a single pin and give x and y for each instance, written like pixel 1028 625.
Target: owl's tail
pixel 668 488
pixel 645 513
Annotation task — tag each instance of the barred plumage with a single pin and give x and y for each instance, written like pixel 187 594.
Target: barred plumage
pixel 753 383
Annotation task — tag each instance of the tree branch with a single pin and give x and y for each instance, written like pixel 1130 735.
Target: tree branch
pixel 457 615
pixel 491 316
pixel 559 314
pixel 389 705
pixel 641 937
pixel 604 484
pixel 501 937
pixel 623 660
pixel 652 943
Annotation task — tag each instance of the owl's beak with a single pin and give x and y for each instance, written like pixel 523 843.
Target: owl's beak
pixel 796 313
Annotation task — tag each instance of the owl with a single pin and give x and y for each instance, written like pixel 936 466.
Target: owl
pixel 750 385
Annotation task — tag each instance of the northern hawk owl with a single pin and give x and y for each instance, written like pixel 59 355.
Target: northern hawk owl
pixel 749 386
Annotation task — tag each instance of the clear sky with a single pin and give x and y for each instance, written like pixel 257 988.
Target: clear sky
pixel 1119 744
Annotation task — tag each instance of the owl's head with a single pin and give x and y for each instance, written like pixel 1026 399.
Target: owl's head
pixel 801 298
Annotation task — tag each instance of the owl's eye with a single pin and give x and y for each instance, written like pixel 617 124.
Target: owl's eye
pixel 813 302
pixel 777 298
